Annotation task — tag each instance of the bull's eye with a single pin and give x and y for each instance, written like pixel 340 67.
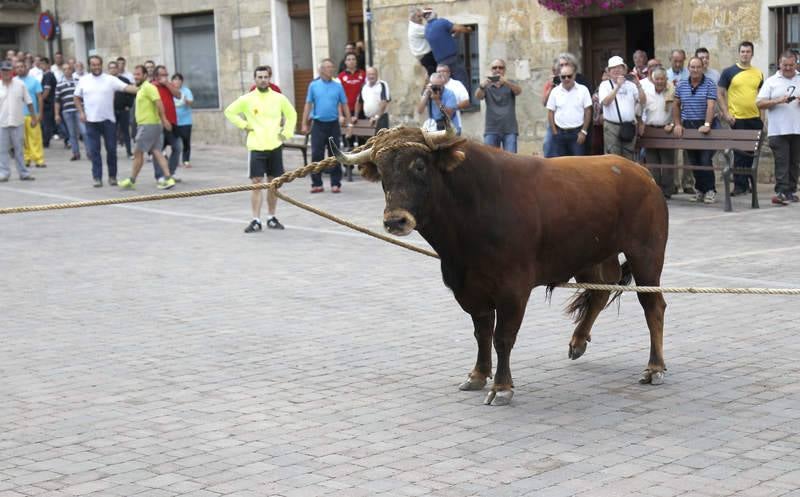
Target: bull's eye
pixel 418 165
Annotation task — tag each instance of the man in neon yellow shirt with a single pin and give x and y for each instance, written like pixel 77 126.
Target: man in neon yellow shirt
pixel 269 119
pixel 150 123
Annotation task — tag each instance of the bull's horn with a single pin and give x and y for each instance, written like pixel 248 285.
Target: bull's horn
pixel 350 159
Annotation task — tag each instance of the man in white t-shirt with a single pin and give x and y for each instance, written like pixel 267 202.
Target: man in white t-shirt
pixel 373 100
pixel 569 114
pixel 780 96
pixel 456 86
pixel 419 46
pixel 623 93
pixel 94 99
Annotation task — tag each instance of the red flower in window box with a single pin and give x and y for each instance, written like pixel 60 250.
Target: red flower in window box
pixel 573 7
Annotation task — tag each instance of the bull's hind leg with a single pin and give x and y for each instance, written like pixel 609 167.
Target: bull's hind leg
pixel 484 329
pixel 587 305
pixel 647 272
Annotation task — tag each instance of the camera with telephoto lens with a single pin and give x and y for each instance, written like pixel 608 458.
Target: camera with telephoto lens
pixel 494 79
pixel 790 98
pixel 436 89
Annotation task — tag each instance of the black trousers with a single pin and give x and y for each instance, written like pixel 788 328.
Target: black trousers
pixel 743 160
pixel 320 132
pixel 48 125
pixel 185 134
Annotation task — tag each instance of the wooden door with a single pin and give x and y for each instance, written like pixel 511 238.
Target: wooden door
pixel 603 37
pixel 299 14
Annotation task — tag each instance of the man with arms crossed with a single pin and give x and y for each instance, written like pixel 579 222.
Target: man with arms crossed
pixel 260 113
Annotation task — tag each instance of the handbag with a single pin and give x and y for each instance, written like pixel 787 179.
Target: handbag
pixel 432 124
pixel 627 130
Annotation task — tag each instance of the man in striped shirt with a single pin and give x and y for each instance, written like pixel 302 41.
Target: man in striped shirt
pixel 65 107
pixel 694 109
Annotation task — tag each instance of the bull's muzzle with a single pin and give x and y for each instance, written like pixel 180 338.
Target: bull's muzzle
pixel 399 222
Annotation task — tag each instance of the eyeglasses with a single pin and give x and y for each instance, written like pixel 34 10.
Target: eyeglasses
pixel 498 67
pixel 567 76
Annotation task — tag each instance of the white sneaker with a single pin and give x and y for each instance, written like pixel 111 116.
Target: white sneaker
pixel 698 197
pixel 711 197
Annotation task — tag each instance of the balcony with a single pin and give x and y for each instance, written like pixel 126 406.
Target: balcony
pixel 19 5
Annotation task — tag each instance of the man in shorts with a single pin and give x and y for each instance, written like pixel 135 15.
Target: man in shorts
pixel 269 119
pixel 151 122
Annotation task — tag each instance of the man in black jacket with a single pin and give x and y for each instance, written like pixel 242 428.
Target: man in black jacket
pixel 123 103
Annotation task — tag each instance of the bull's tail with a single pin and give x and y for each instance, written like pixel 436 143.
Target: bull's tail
pixel 578 306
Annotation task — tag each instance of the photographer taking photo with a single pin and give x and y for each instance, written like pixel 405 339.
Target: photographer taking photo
pixel 500 129
pixel 433 97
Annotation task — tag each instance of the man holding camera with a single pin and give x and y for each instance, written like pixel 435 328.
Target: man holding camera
pixel 500 129
pixel 619 96
pixel 778 96
pixel 434 96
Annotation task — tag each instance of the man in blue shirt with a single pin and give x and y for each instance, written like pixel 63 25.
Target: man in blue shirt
pixel 439 35
pixel 434 95
pixel 326 105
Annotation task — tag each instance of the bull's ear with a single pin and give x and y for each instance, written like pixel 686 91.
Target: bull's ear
pixel 369 171
pixel 451 155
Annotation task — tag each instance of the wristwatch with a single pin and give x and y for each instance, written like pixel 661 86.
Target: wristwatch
pixel 586 133
pixel 707 124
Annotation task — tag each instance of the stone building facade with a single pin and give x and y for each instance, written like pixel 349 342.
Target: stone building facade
pixel 219 42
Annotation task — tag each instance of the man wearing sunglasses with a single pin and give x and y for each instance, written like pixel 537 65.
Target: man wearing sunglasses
pixel 779 97
pixel 569 113
pixel 500 129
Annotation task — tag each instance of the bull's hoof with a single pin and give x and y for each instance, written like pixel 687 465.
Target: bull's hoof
pixel 473 383
pixel 576 351
pixel 499 398
pixel 652 377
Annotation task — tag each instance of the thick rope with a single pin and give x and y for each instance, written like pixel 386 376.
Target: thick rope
pixel 317 167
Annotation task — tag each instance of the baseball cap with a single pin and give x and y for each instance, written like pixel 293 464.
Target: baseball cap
pixel 6 66
pixel 616 61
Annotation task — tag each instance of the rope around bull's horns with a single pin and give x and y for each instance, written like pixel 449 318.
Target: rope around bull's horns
pixel 318 167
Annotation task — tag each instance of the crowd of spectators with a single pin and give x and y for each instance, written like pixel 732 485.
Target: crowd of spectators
pixel 63 102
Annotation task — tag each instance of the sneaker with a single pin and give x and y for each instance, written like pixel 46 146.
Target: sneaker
pixel 75 157
pixel 26 178
pixel 187 164
pixel 780 199
pixel 698 197
pixel 165 184
pixel 689 190
pixel 793 197
pixel 41 165
pixel 112 181
pixel 711 197
pixel 336 189
pixel 317 189
pixel 274 224
pixel 177 179
pixel 98 182
pixel 255 225
pixel 127 184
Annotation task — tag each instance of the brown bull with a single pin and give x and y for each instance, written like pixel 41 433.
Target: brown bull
pixel 504 224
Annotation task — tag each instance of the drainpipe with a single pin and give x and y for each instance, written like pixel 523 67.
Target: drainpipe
pixel 369 34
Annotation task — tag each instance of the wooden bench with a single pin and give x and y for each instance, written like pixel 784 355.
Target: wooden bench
pixel 299 142
pixel 726 140
pixel 361 129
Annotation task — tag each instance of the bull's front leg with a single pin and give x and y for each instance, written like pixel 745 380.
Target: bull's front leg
pixel 509 318
pixel 484 329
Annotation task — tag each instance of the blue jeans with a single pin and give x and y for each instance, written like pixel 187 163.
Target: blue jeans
pixel 108 131
pixel 175 148
pixel 547 145
pixel 566 143
pixel 506 142
pixel 72 121
pixel 320 131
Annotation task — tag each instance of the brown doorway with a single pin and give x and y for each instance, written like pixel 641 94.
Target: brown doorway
pixel 604 37
pixel 302 63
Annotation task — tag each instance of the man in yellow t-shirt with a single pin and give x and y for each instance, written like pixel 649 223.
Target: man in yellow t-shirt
pixel 269 119
pixel 738 88
pixel 150 123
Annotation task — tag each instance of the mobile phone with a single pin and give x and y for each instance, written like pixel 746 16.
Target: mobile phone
pixel 790 98
pixel 630 77
pixel 494 78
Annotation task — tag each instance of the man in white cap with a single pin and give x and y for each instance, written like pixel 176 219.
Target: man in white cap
pixel 619 96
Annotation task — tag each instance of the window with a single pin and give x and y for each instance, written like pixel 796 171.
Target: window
pixel 469 58
pixel 788 28
pixel 8 36
pixel 88 36
pixel 196 57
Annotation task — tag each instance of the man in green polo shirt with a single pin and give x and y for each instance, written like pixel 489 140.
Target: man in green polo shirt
pixel 150 123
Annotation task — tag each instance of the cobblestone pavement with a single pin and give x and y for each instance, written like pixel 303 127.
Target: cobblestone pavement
pixel 155 350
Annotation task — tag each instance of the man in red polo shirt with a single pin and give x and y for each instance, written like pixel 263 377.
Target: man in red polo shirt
pixel 166 91
pixel 352 79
